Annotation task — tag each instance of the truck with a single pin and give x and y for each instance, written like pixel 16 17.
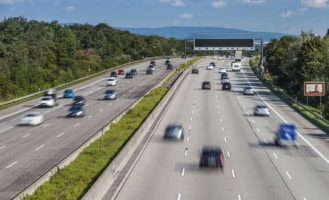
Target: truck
pixel 49 98
pixel 286 135
pixel 236 66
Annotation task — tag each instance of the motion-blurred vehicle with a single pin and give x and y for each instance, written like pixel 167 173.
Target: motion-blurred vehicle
pixel 224 76
pixel 129 75
pixel 76 111
pixel 47 101
pixel 111 81
pixel 68 93
pixel 167 61
pixel 286 135
pixel 213 64
pixel 222 69
pixel 78 100
pixel 211 156
pixel 174 131
pixel 32 119
pixel 226 86
pixel 114 74
pixel 110 94
pixel 210 67
pixel 170 66
pixel 195 71
pixel 133 71
pixel 121 72
pixel 149 71
pixel 248 90
pixel 261 110
pixel 153 63
pixel 206 85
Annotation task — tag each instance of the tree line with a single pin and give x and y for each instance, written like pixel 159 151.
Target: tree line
pixel 38 55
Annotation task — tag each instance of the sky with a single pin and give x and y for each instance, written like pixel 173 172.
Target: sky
pixel 280 16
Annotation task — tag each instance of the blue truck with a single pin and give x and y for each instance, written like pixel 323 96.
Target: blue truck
pixel 286 135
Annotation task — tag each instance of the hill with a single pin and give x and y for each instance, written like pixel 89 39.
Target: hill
pixel 182 32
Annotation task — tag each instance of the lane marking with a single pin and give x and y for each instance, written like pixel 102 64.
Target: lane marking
pixel 239 197
pixel 2 147
pixel 222 128
pixel 220 119
pixel 252 121
pixel 24 136
pixel 233 173
pixel 258 130
pixel 182 172
pixel 59 135
pixel 77 124
pixel 179 196
pixel 46 125
pixel 225 140
pixel 275 156
pixel 100 110
pixel 188 138
pixel 287 173
pixel 40 147
pixel 11 164
pixel 191 118
pixel 185 153
pixel 89 116
pixel 228 154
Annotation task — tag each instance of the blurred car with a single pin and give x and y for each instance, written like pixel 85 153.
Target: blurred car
pixel 170 66
pixel 261 110
pixel 226 86
pixel 76 111
pixel 195 71
pixel 133 71
pixel 210 67
pixel 174 132
pixel 112 81
pixel 153 63
pixel 248 90
pixel 167 61
pixel 211 156
pixel 121 72
pixel 78 100
pixel 32 119
pixel 110 94
pixel 129 75
pixel 214 57
pixel 206 85
pixel 213 64
pixel 47 101
pixel 149 71
pixel 114 74
pixel 152 67
pixel 222 69
pixel 68 93
pixel 225 80
pixel 224 76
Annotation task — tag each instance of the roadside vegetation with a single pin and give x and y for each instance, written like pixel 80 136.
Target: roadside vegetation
pixel 74 180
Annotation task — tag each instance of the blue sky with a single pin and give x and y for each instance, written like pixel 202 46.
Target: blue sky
pixel 283 16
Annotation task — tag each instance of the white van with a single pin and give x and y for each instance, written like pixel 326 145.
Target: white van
pixel 236 66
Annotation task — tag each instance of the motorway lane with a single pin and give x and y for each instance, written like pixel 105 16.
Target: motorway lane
pixel 254 167
pixel 27 152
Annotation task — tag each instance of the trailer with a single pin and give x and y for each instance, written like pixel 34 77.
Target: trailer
pixel 286 136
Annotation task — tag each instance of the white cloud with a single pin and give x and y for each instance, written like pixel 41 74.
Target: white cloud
pixel 69 8
pixel 186 16
pixel 288 13
pixel 218 4
pixel 315 3
pixel 253 1
pixel 173 3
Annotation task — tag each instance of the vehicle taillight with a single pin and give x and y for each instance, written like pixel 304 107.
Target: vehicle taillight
pixel 221 157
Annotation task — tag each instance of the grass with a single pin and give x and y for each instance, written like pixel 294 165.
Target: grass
pixel 74 180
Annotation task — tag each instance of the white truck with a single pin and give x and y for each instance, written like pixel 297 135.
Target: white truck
pixel 236 66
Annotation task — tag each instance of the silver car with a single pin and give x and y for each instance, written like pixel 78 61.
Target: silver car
pixel 261 110
pixel 248 91
pixel 174 132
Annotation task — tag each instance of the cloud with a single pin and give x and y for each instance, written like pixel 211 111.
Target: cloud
pixel 69 8
pixel 315 3
pixel 186 16
pixel 288 13
pixel 253 1
pixel 218 4
pixel 173 3
pixel 8 1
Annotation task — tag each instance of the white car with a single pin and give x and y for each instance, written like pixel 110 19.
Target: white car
pixel 225 80
pixel 47 101
pixel 32 118
pixel 261 110
pixel 222 69
pixel 248 90
pixel 210 67
pixel 111 81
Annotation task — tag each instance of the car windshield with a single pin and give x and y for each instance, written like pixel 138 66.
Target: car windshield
pixel 45 98
pixel 261 106
pixel 31 115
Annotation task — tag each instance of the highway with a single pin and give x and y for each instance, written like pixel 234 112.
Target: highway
pixel 29 152
pixel 254 168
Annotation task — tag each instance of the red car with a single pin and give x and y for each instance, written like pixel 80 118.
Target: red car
pixel 153 63
pixel 121 72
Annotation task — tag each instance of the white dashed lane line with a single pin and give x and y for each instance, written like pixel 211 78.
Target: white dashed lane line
pixel 59 135
pixel 233 173
pixel 40 147
pixel 287 173
pixel 12 164
pixel 77 124
pixel 24 136
pixel 275 156
pixel 2 147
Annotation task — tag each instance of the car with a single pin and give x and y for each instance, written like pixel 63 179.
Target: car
pixel 214 57
pixel 110 94
pixel 47 101
pixel 152 67
pixel 133 71
pixel 211 156
pixel 111 81
pixel 261 110
pixel 224 76
pixel 206 85
pixel 195 71
pixel 225 80
pixel 167 61
pixel 174 131
pixel 248 90
pixel 210 67
pixel 226 86
pixel 129 75
pixel 32 119
pixel 68 93
pixel 114 74
pixel 149 71
pixel 79 100
pixel 121 72
pixel 222 69
pixel 76 111
pixel 152 62
pixel 213 64
pixel 170 66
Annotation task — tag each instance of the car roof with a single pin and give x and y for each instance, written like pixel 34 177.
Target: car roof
pixel 261 106
pixel 211 149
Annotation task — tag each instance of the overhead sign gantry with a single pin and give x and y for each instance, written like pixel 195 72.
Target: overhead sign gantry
pixel 224 44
